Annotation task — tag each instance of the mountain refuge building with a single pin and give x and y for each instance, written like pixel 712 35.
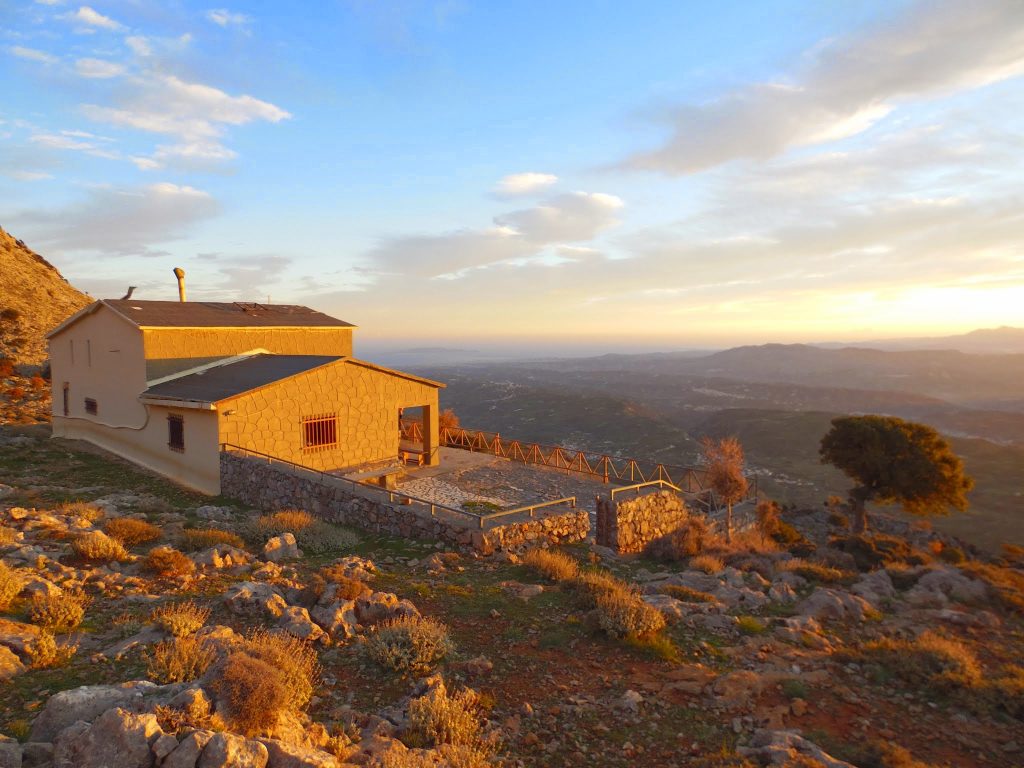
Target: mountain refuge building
pixel 166 384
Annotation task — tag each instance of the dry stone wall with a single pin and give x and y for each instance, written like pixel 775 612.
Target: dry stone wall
pixel 272 487
pixel 630 525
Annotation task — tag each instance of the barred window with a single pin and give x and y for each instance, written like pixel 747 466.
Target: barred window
pixel 176 432
pixel 91 406
pixel 319 432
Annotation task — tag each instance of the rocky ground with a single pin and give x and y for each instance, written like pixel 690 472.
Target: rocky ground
pixel 791 653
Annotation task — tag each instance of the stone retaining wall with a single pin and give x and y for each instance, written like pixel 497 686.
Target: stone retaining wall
pixel 278 486
pixel 628 526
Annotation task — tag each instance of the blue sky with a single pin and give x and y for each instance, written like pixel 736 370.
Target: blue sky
pixel 551 175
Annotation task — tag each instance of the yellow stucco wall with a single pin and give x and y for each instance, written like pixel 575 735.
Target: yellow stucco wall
pixel 365 400
pixel 164 343
pixel 106 364
pixel 197 467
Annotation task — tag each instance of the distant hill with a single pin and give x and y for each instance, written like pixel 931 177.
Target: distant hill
pixel 34 297
pixel 1006 340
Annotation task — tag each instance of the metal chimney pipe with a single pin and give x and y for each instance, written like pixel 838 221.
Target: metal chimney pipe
pixel 180 274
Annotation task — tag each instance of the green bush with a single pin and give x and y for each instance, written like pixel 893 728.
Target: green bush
pixel 410 644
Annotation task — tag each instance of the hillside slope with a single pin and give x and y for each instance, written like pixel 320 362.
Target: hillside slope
pixel 34 297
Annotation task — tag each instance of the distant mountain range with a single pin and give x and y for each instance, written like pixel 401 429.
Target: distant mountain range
pixel 1005 340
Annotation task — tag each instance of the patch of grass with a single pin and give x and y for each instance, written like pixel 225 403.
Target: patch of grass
pixel 131 531
pixel 196 539
pixel 553 565
pixel 97 547
pixel 707 563
pixel 813 571
pixel 686 594
pixel 409 645
pixel 57 612
pixel 181 619
pixel 284 521
pixel 794 689
pixel 932 660
pixel 167 562
pixel 659 646
pixel 751 625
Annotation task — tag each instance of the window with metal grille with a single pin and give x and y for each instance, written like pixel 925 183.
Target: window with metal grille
pixel 176 432
pixel 91 406
pixel 319 432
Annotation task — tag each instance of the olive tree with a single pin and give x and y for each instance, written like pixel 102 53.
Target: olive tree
pixel 723 460
pixel 893 461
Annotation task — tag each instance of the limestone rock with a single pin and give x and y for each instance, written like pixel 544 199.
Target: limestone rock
pixel 226 750
pixel 187 753
pixel 673 610
pixel 295 621
pixel 10 753
pixel 36 754
pixel 876 587
pixel 221 557
pixel 283 755
pixel 738 688
pixel 827 603
pixel 194 702
pixel 18 637
pixel 116 738
pixel 784 747
pixel 281 547
pixel 630 701
pixel 10 664
pixel 937 588
pixel 85 703
pixel 337 619
pixel 248 597
pixel 381 606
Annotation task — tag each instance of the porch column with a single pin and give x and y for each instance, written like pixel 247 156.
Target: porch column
pixel 431 431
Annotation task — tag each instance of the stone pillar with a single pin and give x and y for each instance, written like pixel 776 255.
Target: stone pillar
pixel 431 431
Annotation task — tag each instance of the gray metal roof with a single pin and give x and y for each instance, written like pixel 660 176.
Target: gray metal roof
pixel 224 381
pixel 217 314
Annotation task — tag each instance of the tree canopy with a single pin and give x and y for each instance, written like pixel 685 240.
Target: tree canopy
pixel 896 462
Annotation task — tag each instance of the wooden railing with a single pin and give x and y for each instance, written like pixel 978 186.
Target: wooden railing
pixel 609 468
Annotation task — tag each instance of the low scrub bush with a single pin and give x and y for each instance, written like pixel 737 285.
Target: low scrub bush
pixel 46 652
pixel 409 645
pixel 167 562
pixel 268 676
pixel 131 531
pixel 689 539
pixel 589 585
pixel 452 723
pixel 1006 583
pixel 813 571
pixel 12 581
pixel 625 614
pixel 181 619
pixel 686 594
pixel 347 588
pixel 179 660
pixel 751 625
pixel 285 521
pixel 930 659
pixel 323 538
pixel 886 754
pixel 874 551
pixel 97 547
pixel 8 536
pixel 80 508
pixel 196 539
pixel 553 565
pixel 707 563
pixel 59 611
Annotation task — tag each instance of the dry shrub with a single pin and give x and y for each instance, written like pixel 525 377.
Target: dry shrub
pixel 176 721
pixel 590 585
pixel 1013 555
pixel 1006 583
pixel 195 539
pixel 179 660
pixel 80 508
pixel 1006 691
pixel 931 659
pixel 12 581
pixel 96 546
pixel 131 531
pixel 750 625
pixel 322 538
pixel 450 756
pixel 46 652
pixel 886 754
pixel 285 521
pixel 8 536
pixel 181 619
pixel 409 644
pixel 768 518
pixel 686 594
pixel 707 563
pixel 814 571
pixel 167 562
pixel 625 614
pixel 451 722
pixel 688 540
pixel 57 612
pixel 873 551
pixel 266 677
pixel 555 566
pixel 347 588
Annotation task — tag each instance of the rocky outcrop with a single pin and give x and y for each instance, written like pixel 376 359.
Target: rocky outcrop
pixel 228 750
pixel 86 704
pixel 117 737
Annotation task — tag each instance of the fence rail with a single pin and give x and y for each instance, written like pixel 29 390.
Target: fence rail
pixel 661 484
pixel 609 468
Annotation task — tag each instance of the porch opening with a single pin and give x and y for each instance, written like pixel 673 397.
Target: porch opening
pixel 411 445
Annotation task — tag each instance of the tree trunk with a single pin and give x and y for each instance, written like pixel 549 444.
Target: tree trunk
pixel 860 515
pixel 728 523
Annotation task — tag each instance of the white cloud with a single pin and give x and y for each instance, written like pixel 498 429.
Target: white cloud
pixel 97 68
pixel 848 85
pixel 118 221
pixel 30 175
pixel 225 18
pixel 31 54
pixel 527 183
pixel 570 217
pixel 139 45
pixel 92 19
pixel 54 141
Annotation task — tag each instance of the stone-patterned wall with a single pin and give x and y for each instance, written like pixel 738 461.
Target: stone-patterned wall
pixel 163 343
pixel 272 487
pixel 365 400
pixel 628 526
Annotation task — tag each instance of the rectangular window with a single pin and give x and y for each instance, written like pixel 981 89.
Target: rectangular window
pixel 90 406
pixel 319 432
pixel 67 399
pixel 176 432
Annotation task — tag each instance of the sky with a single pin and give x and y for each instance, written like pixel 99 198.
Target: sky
pixel 531 175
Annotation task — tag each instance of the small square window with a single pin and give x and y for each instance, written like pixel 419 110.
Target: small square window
pixel 319 432
pixel 176 432
pixel 90 406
